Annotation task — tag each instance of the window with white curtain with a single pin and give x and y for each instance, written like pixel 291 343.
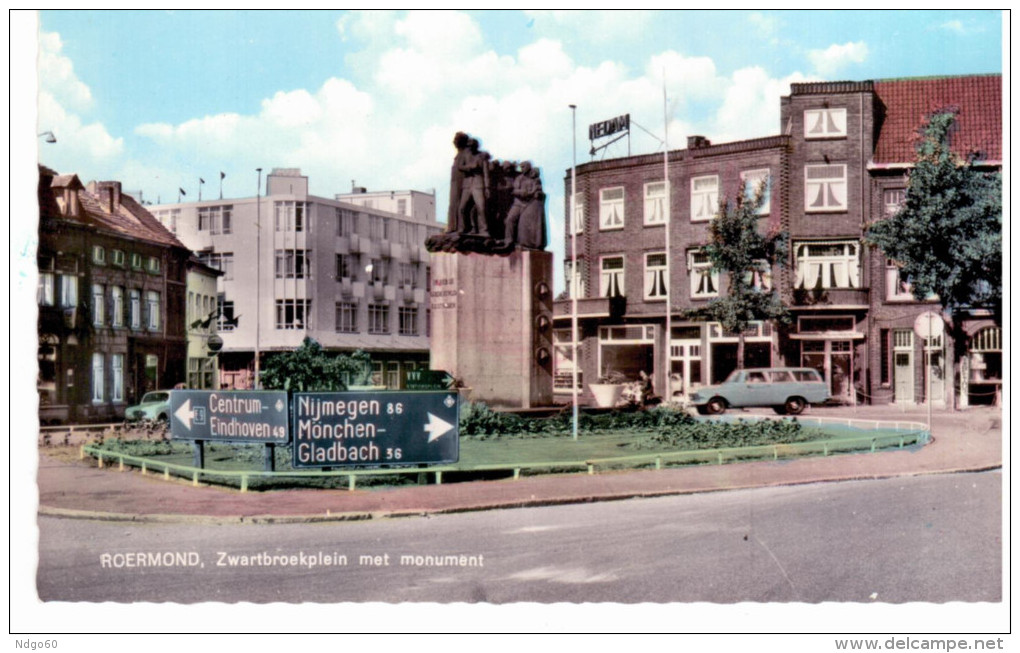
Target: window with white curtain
pixel 831 264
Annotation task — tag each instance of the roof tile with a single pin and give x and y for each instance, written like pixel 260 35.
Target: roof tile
pixel 908 103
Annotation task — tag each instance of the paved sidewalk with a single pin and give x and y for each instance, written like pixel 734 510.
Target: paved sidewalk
pixel 963 441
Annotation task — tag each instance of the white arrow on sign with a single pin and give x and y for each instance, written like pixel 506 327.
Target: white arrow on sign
pixel 185 414
pixel 437 427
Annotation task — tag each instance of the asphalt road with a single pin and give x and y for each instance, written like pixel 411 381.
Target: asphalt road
pixel 929 538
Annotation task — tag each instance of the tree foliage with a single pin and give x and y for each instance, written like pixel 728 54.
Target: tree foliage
pixel 310 368
pixel 947 236
pixel 739 248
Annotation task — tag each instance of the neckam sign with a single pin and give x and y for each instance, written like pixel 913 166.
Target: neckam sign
pixel 345 429
pixel 244 416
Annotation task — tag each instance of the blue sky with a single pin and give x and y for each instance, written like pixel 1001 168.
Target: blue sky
pixel 158 99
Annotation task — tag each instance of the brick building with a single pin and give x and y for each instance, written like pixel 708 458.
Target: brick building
pixel 840 162
pixel 111 301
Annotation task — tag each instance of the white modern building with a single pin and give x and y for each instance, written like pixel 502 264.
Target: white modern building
pixel 295 265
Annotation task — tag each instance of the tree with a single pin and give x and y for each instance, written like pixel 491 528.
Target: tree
pixel 309 368
pixel 738 247
pixel 947 236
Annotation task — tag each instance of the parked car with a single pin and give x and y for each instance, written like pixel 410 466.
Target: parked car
pixel 154 406
pixel 787 390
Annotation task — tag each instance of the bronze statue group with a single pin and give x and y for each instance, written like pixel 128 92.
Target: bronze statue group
pixel 495 206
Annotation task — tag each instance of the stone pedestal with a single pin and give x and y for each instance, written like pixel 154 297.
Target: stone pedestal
pixel 492 325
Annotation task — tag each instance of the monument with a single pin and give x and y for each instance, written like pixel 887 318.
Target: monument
pixel 491 290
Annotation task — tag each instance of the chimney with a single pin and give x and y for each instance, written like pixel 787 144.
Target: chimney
pixel 109 194
pixel 696 142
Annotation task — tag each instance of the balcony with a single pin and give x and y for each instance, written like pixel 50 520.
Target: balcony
pixel 830 298
pixel 591 307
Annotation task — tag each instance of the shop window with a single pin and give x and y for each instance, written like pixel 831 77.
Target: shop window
pixel 986 354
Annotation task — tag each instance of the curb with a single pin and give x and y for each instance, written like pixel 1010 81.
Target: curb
pixel 169 518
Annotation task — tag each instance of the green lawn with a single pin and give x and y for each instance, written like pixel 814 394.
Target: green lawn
pixel 507 449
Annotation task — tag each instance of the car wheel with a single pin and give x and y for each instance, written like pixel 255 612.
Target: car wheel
pixel 795 405
pixel 701 410
pixel 716 406
pixel 780 410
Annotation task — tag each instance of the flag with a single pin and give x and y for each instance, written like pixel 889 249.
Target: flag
pixel 181 191
pixel 222 175
pixel 201 181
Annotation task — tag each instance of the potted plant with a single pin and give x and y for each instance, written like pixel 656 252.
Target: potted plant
pixel 608 390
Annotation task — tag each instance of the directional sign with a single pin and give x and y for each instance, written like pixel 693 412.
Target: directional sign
pixel 343 429
pixel 428 380
pixel 251 416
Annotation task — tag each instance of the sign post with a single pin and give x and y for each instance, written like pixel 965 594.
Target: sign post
pixel 928 326
pixel 240 416
pixel 346 429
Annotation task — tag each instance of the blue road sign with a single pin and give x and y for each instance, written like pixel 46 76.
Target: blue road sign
pixel 341 429
pixel 251 416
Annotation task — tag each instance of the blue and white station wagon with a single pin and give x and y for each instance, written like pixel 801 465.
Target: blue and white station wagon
pixel 788 390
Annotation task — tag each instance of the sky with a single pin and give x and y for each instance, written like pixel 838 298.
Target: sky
pixel 160 99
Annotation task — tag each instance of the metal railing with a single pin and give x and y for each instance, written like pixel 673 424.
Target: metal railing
pixel 910 433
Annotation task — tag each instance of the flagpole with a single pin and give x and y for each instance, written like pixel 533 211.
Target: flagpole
pixel 258 275
pixel 200 183
pixel 669 267
pixel 573 269
pixel 221 184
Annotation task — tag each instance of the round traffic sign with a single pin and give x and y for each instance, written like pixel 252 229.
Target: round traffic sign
pixel 929 325
pixel 214 343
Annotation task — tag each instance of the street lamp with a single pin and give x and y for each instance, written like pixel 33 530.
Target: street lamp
pixel 50 138
pixel 258 276
pixel 573 268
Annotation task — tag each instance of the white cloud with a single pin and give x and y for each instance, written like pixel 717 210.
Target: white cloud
pixel 751 107
pixel 592 26
pixel 766 26
pixel 80 144
pixel 76 140
pixel 836 57
pixel 57 76
pixel 693 77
